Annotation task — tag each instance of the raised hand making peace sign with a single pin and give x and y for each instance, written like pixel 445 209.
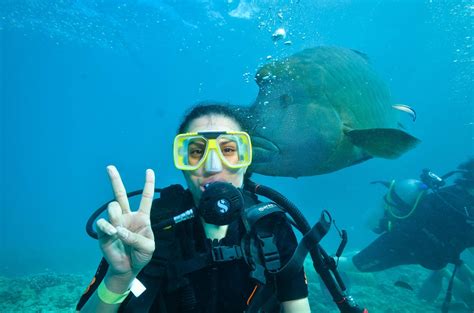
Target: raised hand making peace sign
pixel 126 240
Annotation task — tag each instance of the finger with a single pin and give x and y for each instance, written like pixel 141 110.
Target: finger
pixel 148 192
pixel 119 189
pixel 104 228
pixel 135 240
pixel 115 214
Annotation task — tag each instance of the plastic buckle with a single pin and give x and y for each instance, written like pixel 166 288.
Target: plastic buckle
pixel 226 253
pixel 271 257
pixel 258 274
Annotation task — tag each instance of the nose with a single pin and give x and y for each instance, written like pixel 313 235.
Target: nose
pixel 213 163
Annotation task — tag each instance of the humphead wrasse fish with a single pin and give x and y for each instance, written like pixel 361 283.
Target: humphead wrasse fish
pixel 321 110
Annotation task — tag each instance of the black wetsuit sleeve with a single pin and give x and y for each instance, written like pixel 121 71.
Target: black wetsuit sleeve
pixel 96 280
pixel 295 287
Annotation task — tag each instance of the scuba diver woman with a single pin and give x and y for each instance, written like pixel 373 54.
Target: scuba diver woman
pixel 213 247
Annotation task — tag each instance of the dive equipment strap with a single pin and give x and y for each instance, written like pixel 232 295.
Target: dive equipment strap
pixel 263 252
pixel 310 241
pixel 226 253
pixel 449 291
pixel 270 255
pixel 324 265
pixel 218 254
pixel 263 294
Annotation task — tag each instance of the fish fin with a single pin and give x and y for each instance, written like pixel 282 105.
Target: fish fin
pixel 431 287
pixel 362 54
pixel 388 143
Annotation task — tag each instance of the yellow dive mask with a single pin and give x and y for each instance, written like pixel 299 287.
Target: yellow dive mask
pixel 192 150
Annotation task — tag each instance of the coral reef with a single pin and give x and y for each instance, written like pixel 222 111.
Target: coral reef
pixel 41 293
pixel 382 291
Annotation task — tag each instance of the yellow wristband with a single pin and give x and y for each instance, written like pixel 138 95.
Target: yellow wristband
pixel 109 297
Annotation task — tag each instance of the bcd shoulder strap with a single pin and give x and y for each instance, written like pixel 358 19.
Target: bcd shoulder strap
pixel 261 221
pixel 259 242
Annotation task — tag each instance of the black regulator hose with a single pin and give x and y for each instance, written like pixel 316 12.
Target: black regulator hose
pixel 322 262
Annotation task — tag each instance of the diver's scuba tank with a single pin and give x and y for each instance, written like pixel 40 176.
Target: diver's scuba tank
pixel 403 197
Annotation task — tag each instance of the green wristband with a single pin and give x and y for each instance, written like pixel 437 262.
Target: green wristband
pixel 109 297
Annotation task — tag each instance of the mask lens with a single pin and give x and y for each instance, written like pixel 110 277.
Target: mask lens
pixel 196 148
pixel 189 151
pixel 235 149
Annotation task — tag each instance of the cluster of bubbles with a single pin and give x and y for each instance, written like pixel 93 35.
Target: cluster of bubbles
pixel 453 20
pixel 92 23
pixel 285 24
pixel 127 25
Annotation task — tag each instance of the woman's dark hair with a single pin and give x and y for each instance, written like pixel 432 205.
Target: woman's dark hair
pixel 238 114
pixel 467 177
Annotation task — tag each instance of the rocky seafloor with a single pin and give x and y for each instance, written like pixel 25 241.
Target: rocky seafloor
pixel 53 292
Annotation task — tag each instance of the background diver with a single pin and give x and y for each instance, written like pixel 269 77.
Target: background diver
pixel 427 223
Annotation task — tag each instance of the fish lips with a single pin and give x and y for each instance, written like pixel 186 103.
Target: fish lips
pixel 264 150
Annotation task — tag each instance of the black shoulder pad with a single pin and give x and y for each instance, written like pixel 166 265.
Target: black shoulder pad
pixel 170 201
pixel 254 214
pixel 170 194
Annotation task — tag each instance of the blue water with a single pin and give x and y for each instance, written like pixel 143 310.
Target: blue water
pixel 91 83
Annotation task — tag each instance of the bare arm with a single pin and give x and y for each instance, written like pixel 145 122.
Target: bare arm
pixel 296 306
pixel 126 241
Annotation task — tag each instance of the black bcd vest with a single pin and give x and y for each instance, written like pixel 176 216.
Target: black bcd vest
pixel 166 271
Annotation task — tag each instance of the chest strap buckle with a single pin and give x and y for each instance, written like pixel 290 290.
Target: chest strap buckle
pixel 226 253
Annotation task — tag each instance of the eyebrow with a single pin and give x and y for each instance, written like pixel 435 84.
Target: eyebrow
pixel 197 143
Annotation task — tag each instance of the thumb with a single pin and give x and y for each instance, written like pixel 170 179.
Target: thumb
pixel 135 240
